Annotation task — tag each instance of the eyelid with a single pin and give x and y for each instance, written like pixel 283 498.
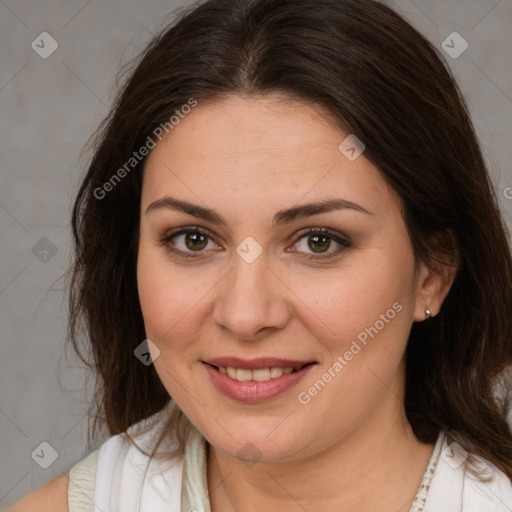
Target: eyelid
pixel 322 230
pixel 186 229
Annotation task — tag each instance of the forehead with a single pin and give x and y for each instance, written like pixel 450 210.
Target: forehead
pixel 260 149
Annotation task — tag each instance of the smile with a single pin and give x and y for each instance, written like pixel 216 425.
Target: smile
pixel 265 380
pixel 259 375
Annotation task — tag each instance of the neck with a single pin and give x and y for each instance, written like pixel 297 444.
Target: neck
pixel 372 468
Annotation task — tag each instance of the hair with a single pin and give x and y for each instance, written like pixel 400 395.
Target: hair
pixel 378 78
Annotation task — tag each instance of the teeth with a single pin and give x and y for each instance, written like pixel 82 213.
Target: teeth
pixel 260 375
pixel 243 374
pixel 276 372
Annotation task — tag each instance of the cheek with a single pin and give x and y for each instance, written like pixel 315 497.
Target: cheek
pixel 366 312
pixel 169 299
pixel 362 317
pixel 171 306
pixel 360 294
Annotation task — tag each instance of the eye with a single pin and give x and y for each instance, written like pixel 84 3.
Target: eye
pixel 187 241
pixel 319 241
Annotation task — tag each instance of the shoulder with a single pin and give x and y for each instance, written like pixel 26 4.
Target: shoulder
pixel 50 497
pixel 115 472
pixel 130 476
pixel 461 485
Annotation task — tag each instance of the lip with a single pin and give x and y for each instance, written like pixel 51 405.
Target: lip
pixel 256 391
pixel 256 364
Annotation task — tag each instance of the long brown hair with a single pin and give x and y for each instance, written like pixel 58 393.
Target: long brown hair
pixel 381 80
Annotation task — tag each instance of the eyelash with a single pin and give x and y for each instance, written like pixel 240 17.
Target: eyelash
pixel 344 243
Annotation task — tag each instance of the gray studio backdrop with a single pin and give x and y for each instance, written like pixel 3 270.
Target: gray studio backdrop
pixel 58 62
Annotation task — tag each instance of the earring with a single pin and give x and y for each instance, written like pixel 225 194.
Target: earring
pixel 428 314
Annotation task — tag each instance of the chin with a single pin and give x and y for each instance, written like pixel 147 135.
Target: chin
pixel 253 443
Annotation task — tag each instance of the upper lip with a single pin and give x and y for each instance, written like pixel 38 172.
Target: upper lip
pixel 255 364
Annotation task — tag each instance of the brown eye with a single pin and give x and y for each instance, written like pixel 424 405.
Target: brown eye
pixel 196 241
pixel 319 241
pixel 186 242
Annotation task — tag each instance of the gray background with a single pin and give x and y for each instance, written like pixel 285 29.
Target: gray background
pixel 49 108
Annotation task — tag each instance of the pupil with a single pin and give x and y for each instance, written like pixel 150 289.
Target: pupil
pixel 196 240
pixel 318 240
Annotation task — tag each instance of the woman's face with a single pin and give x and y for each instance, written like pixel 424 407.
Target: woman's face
pixel 242 284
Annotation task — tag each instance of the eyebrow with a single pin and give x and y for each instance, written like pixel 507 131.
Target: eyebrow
pixel 281 217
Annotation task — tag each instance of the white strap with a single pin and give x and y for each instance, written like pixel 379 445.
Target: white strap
pixel 82 482
pixel 194 486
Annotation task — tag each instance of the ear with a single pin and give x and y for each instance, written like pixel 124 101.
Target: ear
pixel 436 277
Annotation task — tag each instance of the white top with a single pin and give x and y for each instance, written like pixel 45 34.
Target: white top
pixel 118 478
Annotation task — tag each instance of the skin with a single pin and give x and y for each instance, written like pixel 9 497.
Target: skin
pixel 50 497
pixel 246 158
pixel 260 156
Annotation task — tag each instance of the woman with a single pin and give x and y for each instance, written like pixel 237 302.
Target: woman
pixel 293 274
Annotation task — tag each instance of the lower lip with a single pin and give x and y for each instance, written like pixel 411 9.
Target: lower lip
pixel 255 391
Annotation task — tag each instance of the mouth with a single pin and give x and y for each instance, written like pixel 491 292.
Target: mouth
pixel 255 380
pixel 259 374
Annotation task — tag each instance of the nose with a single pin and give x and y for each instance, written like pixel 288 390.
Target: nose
pixel 252 300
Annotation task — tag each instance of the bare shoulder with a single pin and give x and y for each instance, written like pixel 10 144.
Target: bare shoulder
pixel 50 497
